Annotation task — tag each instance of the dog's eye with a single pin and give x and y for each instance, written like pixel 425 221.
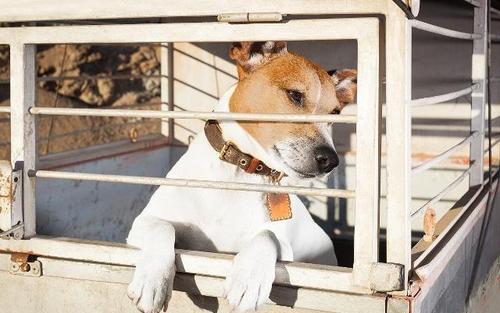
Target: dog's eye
pixel 296 97
pixel 335 111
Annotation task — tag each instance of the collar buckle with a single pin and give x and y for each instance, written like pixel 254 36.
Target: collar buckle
pixel 225 149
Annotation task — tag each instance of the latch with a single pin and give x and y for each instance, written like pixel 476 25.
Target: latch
pixel 25 264
pixel 249 17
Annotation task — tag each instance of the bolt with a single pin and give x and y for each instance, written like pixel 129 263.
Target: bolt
pixel 35 270
pixel 25 267
pixel 15 267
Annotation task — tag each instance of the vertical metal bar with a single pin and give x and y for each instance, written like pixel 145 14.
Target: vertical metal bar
pixel 23 128
pixel 367 156
pixel 479 65
pixel 171 123
pixel 398 130
pixel 164 83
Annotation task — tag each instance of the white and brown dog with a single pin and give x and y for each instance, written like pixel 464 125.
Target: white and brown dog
pixel 271 80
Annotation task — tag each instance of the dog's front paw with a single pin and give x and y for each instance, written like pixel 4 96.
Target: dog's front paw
pixel 151 287
pixel 250 281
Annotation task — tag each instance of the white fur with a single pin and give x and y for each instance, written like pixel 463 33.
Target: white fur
pixel 221 220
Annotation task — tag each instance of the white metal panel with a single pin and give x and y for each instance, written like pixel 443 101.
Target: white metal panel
pixel 64 289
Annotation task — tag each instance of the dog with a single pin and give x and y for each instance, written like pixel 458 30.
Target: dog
pixel 271 80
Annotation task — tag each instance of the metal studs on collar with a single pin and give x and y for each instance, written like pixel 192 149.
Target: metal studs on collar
pixel 243 162
pixel 259 167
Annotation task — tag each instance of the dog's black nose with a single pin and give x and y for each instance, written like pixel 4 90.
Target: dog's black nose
pixel 326 158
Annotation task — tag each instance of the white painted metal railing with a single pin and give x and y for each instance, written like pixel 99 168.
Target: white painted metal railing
pixel 365 31
pixel 478 92
pixel 192 183
pixel 442 193
pixel 22 41
pixel 444 97
pixel 223 116
pixel 443 31
pixel 439 158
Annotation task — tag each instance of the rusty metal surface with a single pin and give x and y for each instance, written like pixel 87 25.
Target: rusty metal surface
pixel 5 195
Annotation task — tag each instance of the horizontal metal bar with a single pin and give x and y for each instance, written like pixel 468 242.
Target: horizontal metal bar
pixel 296 30
pixel 430 163
pixel 221 116
pixel 193 262
pixel 5 109
pixel 444 97
pixel 494 11
pixel 443 31
pixel 141 180
pixel 495 38
pixel 443 192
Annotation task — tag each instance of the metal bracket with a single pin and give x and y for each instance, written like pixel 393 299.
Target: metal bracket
pixel 11 201
pixel 381 277
pixel 24 264
pixel 15 232
pixel 249 17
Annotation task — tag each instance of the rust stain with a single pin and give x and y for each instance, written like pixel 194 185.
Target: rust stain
pixel 429 225
pixel 20 258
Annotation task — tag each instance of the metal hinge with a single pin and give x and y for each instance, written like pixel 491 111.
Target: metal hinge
pixel 15 232
pixel 25 265
pixel 249 17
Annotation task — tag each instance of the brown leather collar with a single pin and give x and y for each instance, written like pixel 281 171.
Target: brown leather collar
pixel 230 153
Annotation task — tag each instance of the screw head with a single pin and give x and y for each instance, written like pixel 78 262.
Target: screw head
pixel 15 267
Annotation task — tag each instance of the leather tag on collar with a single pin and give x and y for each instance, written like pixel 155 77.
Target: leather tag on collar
pixel 278 205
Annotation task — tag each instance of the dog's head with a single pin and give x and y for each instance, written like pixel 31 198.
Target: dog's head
pixel 273 80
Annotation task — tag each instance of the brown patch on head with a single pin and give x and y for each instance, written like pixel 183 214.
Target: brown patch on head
pixel 249 55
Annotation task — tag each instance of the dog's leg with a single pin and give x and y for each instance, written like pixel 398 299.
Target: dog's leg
pixel 249 283
pixel 151 287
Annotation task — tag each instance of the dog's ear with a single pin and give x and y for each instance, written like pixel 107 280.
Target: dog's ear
pixel 345 85
pixel 249 55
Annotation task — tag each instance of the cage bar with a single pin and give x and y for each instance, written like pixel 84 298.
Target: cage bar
pixel 192 183
pixel 443 31
pixel 440 157
pixel 222 116
pixel 443 192
pixel 444 97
